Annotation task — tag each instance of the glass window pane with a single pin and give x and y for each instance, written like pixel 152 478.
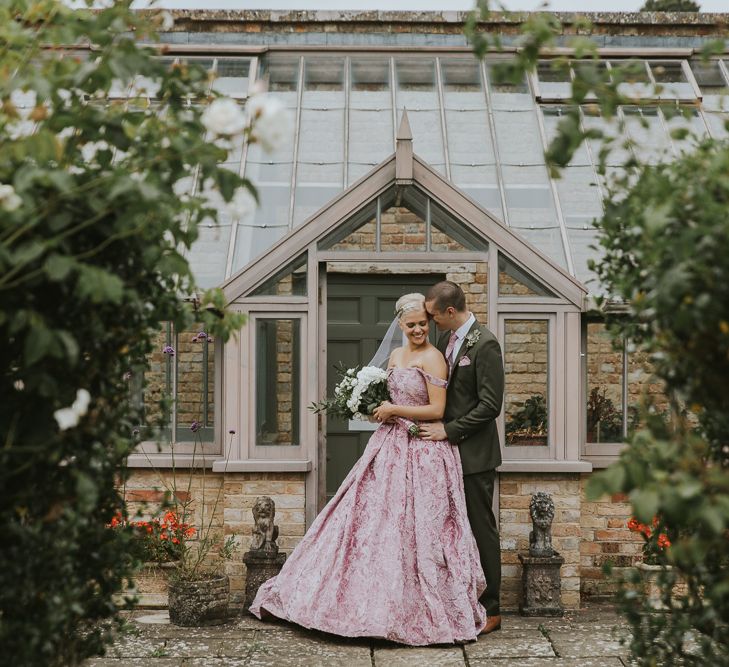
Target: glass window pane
pixel 529 197
pixel 644 388
pixel 358 233
pixel 209 254
pixel 718 124
pixel 289 282
pixel 646 130
pixel 480 183
pixel 195 386
pixel 450 234
pixel 552 116
pixel 416 92
pixel 526 366
pixel 252 241
pixel 712 84
pixel 515 281
pixel 370 140
pixel 323 83
pixel 506 95
pixel 584 246
pixel 518 137
pixel 158 384
pixel 579 195
pixel 671 77
pixel 282 73
pixel 635 81
pixel 604 386
pixel 554 81
pixel 462 85
pixel 232 77
pixel 548 240
pixel 277 381
pixel 593 120
pixel 469 137
pixel 685 118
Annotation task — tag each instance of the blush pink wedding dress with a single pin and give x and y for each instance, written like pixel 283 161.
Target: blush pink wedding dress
pixel 392 554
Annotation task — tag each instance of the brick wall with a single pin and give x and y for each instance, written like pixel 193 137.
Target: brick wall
pixel 605 537
pixel 227 499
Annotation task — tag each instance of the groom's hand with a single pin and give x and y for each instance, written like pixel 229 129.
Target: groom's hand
pixel 433 431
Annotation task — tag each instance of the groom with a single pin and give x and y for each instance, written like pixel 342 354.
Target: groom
pixel 473 402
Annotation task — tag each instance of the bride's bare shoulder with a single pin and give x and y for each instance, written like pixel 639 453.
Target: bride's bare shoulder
pixel 395 356
pixel 433 361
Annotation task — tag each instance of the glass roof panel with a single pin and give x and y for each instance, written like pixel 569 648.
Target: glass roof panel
pixel 505 95
pixel 685 118
pixel 529 197
pixel 552 116
pixel 646 129
pixel 672 78
pixel 579 195
pixel 250 242
pixel 462 84
pixel 554 81
pixel 635 81
pixel 548 241
pixel 583 243
pixel 518 138
pixel 712 83
pixel 208 255
pixel 593 120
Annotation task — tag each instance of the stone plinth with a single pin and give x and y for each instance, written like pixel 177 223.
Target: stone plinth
pixel 541 585
pixel 199 603
pixel 260 567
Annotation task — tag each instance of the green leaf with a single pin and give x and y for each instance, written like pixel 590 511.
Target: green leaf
pixel 645 503
pixel 98 286
pixel 70 346
pixel 57 266
pixel 37 343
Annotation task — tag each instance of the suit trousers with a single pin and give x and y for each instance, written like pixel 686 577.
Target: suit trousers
pixel 479 488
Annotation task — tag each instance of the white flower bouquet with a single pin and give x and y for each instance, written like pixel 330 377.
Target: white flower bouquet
pixel 357 394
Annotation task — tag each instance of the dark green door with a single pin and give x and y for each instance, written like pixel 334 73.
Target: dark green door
pixel 360 308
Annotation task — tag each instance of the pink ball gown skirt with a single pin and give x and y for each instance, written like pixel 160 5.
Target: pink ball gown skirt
pixel 392 554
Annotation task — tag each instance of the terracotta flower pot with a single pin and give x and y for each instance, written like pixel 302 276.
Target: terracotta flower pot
pixel 199 602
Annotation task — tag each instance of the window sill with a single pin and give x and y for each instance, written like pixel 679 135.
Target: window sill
pixel 167 460
pixel 545 466
pixel 262 465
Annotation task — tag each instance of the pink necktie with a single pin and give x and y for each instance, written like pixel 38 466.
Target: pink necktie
pixel 449 350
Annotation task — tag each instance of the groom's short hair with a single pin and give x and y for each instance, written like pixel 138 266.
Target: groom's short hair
pixel 445 294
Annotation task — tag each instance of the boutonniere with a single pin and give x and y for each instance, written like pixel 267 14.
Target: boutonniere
pixel 472 338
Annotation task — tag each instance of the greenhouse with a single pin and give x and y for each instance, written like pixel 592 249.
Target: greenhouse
pixel 410 162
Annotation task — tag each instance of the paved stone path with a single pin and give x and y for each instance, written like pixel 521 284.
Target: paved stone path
pixel 588 638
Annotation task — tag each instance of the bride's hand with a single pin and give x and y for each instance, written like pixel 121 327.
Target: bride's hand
pixel 384 412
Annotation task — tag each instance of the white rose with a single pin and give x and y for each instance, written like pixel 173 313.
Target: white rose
pixel 90 149
pixel 270 121
pixel 242 204
pixel 81 405
pixel 66 418
pixel 9 200
pixel 224 116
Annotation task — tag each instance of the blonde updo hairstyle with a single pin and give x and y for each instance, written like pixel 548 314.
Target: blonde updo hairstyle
pixel 409 303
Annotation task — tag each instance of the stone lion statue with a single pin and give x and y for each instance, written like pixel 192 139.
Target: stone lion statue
pixel 264 532
pixel 541 509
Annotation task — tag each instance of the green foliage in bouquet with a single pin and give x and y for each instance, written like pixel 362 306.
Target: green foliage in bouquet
pixel 357 394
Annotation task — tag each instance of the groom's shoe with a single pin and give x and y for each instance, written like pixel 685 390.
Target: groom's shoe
pixel 493 623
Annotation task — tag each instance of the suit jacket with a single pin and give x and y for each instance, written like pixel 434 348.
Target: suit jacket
pixel 474 398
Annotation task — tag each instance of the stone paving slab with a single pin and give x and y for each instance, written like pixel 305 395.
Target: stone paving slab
pixel 503 644
pixel 587 642
pixel 554 662
pixel 303 648
pixel 430 656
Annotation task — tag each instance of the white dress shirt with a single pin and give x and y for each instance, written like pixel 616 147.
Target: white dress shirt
pixel 461 333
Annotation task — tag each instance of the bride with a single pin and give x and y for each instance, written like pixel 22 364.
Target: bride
pixel 392 554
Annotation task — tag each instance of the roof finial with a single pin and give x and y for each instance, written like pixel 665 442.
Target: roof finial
pixel 404 152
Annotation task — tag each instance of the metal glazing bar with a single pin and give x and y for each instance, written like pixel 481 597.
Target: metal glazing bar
pixel 428 228
pixel 393 97
pixel 494 142
pixel 555 195
pixel 378 225
pixel 664 125
pixel 205 384
pixel 295 159
pixel 347 83
pixel 252 78
pixel 593 162
pixel 443 128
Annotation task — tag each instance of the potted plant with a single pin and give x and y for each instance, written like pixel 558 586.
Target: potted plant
pixel 654 565
pixel 604 420
pixel 528 426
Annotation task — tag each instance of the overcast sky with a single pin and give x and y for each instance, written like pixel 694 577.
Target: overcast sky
pixel 555 5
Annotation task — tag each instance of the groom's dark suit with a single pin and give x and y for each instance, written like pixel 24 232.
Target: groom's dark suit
pixel 473 402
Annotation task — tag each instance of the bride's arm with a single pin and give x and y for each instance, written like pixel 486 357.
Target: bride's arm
pixel 435 365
